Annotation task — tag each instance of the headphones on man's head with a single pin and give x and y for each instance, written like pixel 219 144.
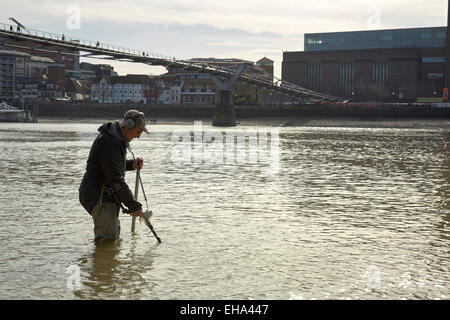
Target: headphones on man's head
pixel 130 123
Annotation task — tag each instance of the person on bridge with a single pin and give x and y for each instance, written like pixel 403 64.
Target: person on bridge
pixel 103 189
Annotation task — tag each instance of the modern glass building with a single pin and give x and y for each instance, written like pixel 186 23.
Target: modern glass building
pixel 432 37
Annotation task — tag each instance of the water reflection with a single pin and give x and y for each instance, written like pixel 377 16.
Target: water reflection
pixel 117 270
pixel 100 271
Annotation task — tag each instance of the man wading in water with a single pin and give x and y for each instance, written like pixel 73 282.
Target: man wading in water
pixel 103 188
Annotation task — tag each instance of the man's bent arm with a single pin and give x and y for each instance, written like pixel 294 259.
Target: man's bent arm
pixel 111 166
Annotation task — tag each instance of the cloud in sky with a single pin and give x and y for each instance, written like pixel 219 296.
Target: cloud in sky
pixel 247 29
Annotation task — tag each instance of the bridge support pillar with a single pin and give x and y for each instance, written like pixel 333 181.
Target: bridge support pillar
pixel 224 115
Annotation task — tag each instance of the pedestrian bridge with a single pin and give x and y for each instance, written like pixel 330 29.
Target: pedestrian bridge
pixel 9 35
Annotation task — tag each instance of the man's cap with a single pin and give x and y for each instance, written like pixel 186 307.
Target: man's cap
pixel 138 117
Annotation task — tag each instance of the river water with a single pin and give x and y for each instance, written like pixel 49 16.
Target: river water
pixel 346 213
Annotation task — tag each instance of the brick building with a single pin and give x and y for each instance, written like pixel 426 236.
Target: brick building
pixel 396 64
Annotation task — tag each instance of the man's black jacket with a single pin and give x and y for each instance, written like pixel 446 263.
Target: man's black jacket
pixel 106 165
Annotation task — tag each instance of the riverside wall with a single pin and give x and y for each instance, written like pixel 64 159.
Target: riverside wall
pixel 116 111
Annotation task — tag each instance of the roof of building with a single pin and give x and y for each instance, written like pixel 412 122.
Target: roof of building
pixel 75 85
pixel 87 71
pixel 382 30
pixel 93 66
pixel 41 59
pixel 13 53
pixel 220 60
pixel 129 78
pixel 264 60
pixel 4 106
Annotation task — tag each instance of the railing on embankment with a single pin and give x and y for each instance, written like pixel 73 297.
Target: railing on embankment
pixel 116 111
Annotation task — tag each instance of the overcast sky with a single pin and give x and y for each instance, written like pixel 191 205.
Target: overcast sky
pixel 246 29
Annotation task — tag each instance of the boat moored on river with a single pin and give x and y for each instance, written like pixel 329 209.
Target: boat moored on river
pixel 12 114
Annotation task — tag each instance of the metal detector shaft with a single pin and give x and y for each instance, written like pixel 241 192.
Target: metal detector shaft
pixel 136 191
pixel 153 231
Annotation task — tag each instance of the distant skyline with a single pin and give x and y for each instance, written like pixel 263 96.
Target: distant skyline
pixel 241 29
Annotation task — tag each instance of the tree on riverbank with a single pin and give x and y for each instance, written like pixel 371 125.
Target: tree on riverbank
pixel 243 98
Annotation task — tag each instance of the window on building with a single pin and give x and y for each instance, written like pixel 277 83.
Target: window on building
pixel 433 59
pixel 346 79
pixel 313 41
pixel 380 72
pixel 314 76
